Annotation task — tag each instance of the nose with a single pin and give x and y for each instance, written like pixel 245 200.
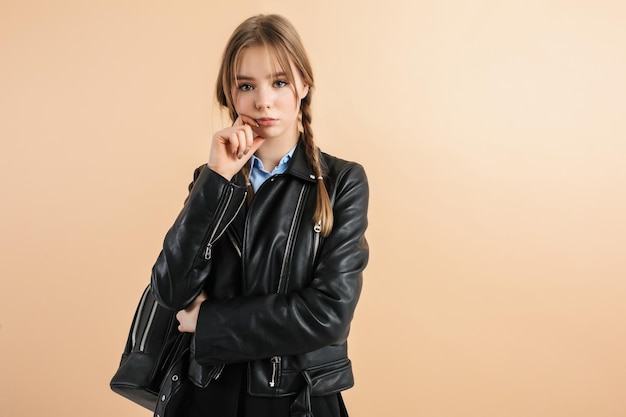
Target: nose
pixel 263 99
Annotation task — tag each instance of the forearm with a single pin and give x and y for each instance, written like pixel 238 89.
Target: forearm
pixel 248 328
pixel 184 263
pixel 315 315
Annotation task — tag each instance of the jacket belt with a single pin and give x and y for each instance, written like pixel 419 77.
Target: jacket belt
pixel 301 406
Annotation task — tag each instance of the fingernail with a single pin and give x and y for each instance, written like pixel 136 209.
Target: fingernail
pixel 257 123
pixel 240 155
pixel 246 151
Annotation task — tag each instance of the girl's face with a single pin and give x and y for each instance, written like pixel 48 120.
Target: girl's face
pixel 262 92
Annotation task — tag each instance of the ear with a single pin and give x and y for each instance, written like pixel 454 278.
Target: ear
pixel 304 91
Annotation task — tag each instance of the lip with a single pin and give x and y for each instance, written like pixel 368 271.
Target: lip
pixel 266 121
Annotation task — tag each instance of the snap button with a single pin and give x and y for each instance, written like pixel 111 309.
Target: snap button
pixel 312 176
pixel 175 378
pixel 163 397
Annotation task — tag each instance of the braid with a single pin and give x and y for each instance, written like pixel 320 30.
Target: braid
pixel 281 39
pixel 245 171
pixel 323 211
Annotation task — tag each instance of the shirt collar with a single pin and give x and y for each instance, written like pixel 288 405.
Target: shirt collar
pixel 281 167
pixel 258 173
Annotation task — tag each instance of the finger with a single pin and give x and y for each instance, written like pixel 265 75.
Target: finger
pixel 251 122
pixel 239 121
pixel 181 328
pixel 241 136
pixel 233 142
pixel 248 120
pixel 256 144
pixel 249 138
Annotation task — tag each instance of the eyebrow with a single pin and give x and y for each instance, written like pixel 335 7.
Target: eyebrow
pixel 247 78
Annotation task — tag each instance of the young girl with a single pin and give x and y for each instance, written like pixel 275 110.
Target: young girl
pixel 264 263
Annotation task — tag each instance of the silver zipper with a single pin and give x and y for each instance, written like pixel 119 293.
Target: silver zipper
pixel 207 251
pixel 275 360
pixel 136 324
pixel 235 244
pixel 219 372
pixel 316 238
pixel 290 239
pixel 147 330
pixel 213 238
pixel 275 364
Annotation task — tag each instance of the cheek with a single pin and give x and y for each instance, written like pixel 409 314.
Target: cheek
pixel 242 101
pixel 243 107
pixel 238 101
pixel 288 101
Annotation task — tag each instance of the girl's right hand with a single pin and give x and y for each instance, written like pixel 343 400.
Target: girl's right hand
pixel 233 147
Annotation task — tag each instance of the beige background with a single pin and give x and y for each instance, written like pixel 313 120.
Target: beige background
pixel 493 135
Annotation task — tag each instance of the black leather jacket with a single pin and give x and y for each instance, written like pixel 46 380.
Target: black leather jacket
pixel 281 297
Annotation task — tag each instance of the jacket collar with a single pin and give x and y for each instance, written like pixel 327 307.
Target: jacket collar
pixel 299 165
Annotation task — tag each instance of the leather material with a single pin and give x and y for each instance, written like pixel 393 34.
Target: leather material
pixel 200 375
pixel 276 289
pixel 328 367
pixel 154 345
pixel 171 397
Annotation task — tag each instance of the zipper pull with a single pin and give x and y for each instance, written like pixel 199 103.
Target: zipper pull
pixel 207 251
pixel 275 363
pixel 316 238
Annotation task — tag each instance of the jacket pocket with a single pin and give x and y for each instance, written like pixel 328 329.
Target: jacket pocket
pixel 331 378
pixel 274 377
pixel 323 379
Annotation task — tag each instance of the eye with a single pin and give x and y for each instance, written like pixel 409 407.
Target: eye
pixel 280 83
pixel 244 87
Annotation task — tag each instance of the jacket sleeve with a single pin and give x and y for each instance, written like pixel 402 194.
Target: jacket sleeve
pixel 178 275
pixel 255 327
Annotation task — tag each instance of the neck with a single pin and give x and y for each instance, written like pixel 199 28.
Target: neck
pixel 273 150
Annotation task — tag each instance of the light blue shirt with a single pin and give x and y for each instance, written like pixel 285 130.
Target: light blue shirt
pixel 258 174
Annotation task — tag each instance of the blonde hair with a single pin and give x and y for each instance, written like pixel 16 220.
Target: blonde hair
pixel 282 41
